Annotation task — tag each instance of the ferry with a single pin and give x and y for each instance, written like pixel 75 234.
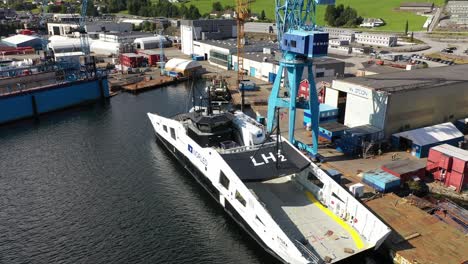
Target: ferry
pixel 284 201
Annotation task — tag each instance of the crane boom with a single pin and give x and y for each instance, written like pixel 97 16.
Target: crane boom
pixel 242 14
pixel 83 34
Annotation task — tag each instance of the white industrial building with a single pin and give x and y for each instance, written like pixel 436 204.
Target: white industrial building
pixel 63 29
pixel 399 101
pixel 60 44
pixel 152 42
pixel 359 37
pixel 23 41
pixel 458 11
pixel 383 40
pixel 123 37
pixel 259 59
pixel 206 29
pixel 75 18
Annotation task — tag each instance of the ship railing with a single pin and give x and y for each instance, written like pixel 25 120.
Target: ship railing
pixel 307 253
pixel 244 148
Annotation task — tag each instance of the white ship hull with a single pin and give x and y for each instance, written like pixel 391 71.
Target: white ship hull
pixel 279 213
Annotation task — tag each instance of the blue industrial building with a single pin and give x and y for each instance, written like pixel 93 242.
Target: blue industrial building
pixel 420 140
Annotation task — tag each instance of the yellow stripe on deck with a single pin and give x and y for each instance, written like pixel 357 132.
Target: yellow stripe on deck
pixel 354 234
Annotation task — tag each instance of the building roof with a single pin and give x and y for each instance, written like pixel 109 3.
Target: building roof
pixel 413 4
pixel 17 39
pixel 415 79
pixel 452 151
pixel 405 166
pixel 131 55
pixel 231 45
pixel 181 65
pixel 379 69
pixel 151 39
pixel 418 236
pixel 333 126
pixel 431 134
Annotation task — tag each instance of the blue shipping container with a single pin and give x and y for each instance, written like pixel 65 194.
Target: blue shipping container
pixel 381 181
pixel 327 113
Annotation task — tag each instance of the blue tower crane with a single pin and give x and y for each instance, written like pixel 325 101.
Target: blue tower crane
pixel 300 42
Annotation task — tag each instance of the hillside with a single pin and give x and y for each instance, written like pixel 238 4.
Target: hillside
pixel 384 9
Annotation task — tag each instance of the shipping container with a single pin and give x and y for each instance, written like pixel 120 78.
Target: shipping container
pixel 327 113
pixel 331 130
pixel 381 181
pixel 352 140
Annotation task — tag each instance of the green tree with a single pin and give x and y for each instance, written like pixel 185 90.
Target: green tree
pixel 217 6
pixel 91 10
pixel 339 16
pixel 406 28
pixel 184 11
pixel 262 15
pixel 145 26
pixel 194 13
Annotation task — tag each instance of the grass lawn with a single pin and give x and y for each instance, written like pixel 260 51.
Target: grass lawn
pixel 385 9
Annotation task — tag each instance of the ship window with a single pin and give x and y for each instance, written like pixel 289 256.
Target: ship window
pixel 293 43
pixel 165 128
pixel 240 198
pixel 224 180
pixel 173 133
pixel 312 178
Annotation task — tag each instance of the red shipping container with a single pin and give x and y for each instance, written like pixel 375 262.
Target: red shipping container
pixel 304 91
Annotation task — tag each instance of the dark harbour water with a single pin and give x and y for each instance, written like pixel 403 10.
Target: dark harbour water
pixel 92 185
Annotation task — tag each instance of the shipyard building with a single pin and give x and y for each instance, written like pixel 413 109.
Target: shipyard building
pixel 401 101
pixel 191 30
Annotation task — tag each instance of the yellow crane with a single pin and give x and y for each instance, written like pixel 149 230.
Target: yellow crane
pixel 242 15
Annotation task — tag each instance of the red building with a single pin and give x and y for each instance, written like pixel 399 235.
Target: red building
pixel 449 165
pixel 131 59
pixel 304 90
pixel 406 169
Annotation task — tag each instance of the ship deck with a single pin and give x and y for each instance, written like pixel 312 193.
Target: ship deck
pixel 303 218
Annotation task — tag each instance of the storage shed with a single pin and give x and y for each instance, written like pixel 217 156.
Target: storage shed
pixel 151 42
pixel 449 165
pixel 23 41
pixel 420 140
pixel 406 169
pixel 185 67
